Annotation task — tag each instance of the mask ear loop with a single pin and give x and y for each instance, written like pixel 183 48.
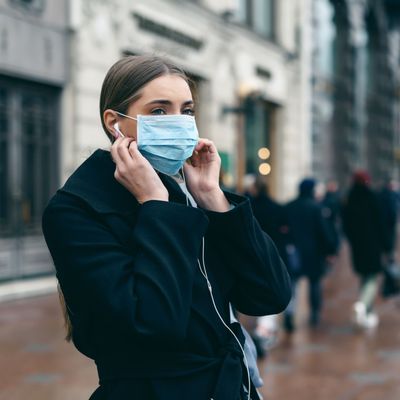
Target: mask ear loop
pixel 184 181
pixel 203 270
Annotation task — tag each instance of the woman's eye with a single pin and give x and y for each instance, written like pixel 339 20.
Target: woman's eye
pixel 158 111
pixel 188 111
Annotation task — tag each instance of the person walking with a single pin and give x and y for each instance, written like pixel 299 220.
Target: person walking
pixel 363 226
pixel 331 210
pixel 271 217
pixel 389 208
pixel 150 253
pixel 312 243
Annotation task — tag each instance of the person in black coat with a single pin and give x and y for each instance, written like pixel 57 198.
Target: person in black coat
pixel 312 243
pixel 389 208
pixel 331 210
pixel 363 226
pixel 150 256
pixel 269 214
pixel 271 217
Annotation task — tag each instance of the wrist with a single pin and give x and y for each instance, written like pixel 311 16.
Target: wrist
pixel 157 197
pixel 213 200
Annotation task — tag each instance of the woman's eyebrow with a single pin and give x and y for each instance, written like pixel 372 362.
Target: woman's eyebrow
pixel 168 102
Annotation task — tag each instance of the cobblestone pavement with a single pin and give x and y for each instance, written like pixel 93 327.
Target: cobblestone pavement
pixel 332 362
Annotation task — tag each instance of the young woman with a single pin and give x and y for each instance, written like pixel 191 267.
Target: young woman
pixel 149 262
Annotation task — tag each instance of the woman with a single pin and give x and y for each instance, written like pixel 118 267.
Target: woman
pixel 363 226
pixel 148 264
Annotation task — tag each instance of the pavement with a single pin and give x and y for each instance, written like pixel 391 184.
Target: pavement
pixel 331 362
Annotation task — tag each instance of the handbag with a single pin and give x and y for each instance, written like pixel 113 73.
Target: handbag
pixel 391 280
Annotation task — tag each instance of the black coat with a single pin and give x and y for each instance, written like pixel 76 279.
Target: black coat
pixel 363 226
pixel 138 302
pixel 310 234
pixel 388 203
pixel 271 217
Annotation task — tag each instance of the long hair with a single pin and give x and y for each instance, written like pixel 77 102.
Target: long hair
pixel 67 320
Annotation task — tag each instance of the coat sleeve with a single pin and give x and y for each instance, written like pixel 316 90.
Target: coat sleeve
pixel 146 291
pixel 262 284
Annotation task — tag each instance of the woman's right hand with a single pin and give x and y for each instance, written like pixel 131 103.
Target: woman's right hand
pixel 135 173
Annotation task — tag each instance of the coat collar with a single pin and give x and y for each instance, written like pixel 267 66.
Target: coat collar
pixel 94 182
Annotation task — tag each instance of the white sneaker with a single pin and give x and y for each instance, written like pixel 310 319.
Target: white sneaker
pixel 359 314
pixel 371 321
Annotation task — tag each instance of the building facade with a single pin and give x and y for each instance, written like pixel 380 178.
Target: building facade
pixel 33 75
pixel 249 58
pixel 356 105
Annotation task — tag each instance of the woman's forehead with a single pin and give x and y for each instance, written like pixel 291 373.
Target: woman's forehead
pixel 167 86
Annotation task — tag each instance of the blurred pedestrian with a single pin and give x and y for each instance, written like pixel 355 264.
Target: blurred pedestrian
pixel 389 207
pixel 312 243
pixel 269 214
pixel 150 252
pixel 363 226
pixel 271 217
pixel 331 210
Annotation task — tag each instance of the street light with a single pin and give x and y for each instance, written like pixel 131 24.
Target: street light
pixel 264 169
pixel 264 153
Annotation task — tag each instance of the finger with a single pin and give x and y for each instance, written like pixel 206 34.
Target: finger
pixel 114 152
pixel 133 150
pixel 206 145
pixel 123 151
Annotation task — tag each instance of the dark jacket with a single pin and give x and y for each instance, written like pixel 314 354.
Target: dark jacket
pixel 310 234
pixel 362 224
pixel 388 203
pixel 331 209
pixel 138 302
pixel 270 216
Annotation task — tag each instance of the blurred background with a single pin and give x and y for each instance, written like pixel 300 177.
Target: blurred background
pixel 286 89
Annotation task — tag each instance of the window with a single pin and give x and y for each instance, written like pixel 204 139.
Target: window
pixel 28 163
pixel 258 15
pixel 258 124
pixel 263 17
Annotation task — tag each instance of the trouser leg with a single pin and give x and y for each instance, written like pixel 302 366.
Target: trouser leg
pixel 315 300
pixel 368 291
pixel 290 311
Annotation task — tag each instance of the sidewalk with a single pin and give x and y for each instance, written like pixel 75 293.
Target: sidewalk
pixel 335 362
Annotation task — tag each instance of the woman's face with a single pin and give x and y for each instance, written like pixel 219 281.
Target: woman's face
pixel 167 94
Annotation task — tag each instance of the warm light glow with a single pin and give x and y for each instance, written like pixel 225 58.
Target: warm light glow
pixel 264 153
pixel 264 168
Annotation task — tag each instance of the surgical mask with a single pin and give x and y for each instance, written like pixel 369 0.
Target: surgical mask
pixel 166 141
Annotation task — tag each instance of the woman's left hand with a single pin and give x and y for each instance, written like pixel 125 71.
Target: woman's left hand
pixel 202 177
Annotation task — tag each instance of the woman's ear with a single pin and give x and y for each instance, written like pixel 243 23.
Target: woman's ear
pixel 110 120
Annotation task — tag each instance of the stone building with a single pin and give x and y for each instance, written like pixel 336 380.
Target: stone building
pixel 249 58
pixel 33 76
pixel 356 105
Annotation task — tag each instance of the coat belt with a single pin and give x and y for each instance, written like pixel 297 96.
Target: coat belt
pixel 228 360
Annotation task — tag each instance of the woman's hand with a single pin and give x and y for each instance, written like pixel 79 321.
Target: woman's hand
pixel 202 177
pixel 135 173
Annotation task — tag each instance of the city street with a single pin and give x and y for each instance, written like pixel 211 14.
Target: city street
pixel 332 362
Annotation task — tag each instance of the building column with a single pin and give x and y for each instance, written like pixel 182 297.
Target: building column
pixel 381 95
pixel 348 115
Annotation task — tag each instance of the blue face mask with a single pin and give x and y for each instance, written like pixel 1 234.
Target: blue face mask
pixel 166 141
